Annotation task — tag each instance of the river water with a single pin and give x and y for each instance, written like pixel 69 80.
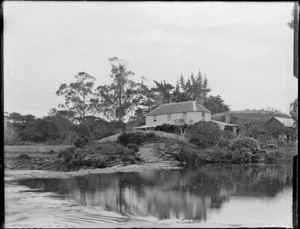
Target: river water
pixel 203 196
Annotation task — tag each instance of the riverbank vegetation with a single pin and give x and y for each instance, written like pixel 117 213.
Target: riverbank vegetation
pixel 91 156
pixel 127 150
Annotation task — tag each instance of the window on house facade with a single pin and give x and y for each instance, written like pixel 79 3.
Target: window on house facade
pixel 154 118
pixel 184 116
pixel 203 116
pixel 169 117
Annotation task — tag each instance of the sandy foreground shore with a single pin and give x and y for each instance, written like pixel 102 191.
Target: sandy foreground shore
pixel 24 174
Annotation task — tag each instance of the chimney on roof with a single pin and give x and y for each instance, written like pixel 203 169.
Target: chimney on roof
pixel 199 101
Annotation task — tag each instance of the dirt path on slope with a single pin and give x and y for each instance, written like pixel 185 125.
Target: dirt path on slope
pixel 149 153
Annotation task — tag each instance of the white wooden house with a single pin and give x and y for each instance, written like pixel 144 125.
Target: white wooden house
pixel 168 113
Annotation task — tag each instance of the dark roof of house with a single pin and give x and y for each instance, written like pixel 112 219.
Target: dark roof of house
pixel 171 108
pixel 287 122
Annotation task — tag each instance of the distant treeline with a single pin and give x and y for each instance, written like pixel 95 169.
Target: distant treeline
pixel 56 129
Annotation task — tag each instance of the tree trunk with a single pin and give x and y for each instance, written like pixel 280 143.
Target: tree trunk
pixel 123 124
pixel 123 127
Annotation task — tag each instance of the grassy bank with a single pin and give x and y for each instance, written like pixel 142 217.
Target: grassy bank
pixel 126 151
pixel 192 155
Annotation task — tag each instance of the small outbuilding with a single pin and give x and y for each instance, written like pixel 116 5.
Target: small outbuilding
pixel 280 128
pixel 280 122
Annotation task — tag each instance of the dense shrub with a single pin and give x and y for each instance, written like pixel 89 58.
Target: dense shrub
pixel 81 142
pixel 224 143
pixel 245 143
pixel 95 155
pixel 241 156
pixel 226 134
pixel 196 156
pixel 187 154
pixel 257 156
pixel 277 156
pixel 70 159
pixel 136 138
pixel 151 137
pixel 204 134
pixel 51 152
pixel 133 146
pixel 193 155
pixel 166 128
pixel 23 156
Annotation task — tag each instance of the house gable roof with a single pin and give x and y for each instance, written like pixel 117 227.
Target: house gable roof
pixel 171 108
pixel 287 122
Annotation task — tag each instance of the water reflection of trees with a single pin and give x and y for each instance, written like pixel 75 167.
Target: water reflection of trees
pixel 183 194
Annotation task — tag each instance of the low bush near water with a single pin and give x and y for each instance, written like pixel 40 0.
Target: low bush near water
pixel 23 156
pixel 204 134
pixel 195 155
pixel 244 143
pixel 96 156
pixel 224 143
pixel 277 155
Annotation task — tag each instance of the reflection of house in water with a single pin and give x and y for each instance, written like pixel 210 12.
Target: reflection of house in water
pixel 175 201
pixel 169 204
pixel 154 202
pixel 179 198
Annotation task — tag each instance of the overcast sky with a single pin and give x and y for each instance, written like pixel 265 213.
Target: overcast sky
pixel 245 49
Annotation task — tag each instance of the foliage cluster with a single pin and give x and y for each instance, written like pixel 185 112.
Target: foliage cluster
pixel 204 134
pixel 245 143
pixel 23 156
pixel 96 156
pixel 56 128
pixel 194 156
pixel 81 142
pixel 167 128
pixel 224 142
pixel 136 138
pixel 245 150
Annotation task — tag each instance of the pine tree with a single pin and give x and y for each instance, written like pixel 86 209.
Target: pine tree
pixel 176 94
pixel 182 83
pixel 206 88
pixel 165 90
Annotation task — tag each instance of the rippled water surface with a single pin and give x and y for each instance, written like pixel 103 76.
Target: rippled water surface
pixel 210 195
